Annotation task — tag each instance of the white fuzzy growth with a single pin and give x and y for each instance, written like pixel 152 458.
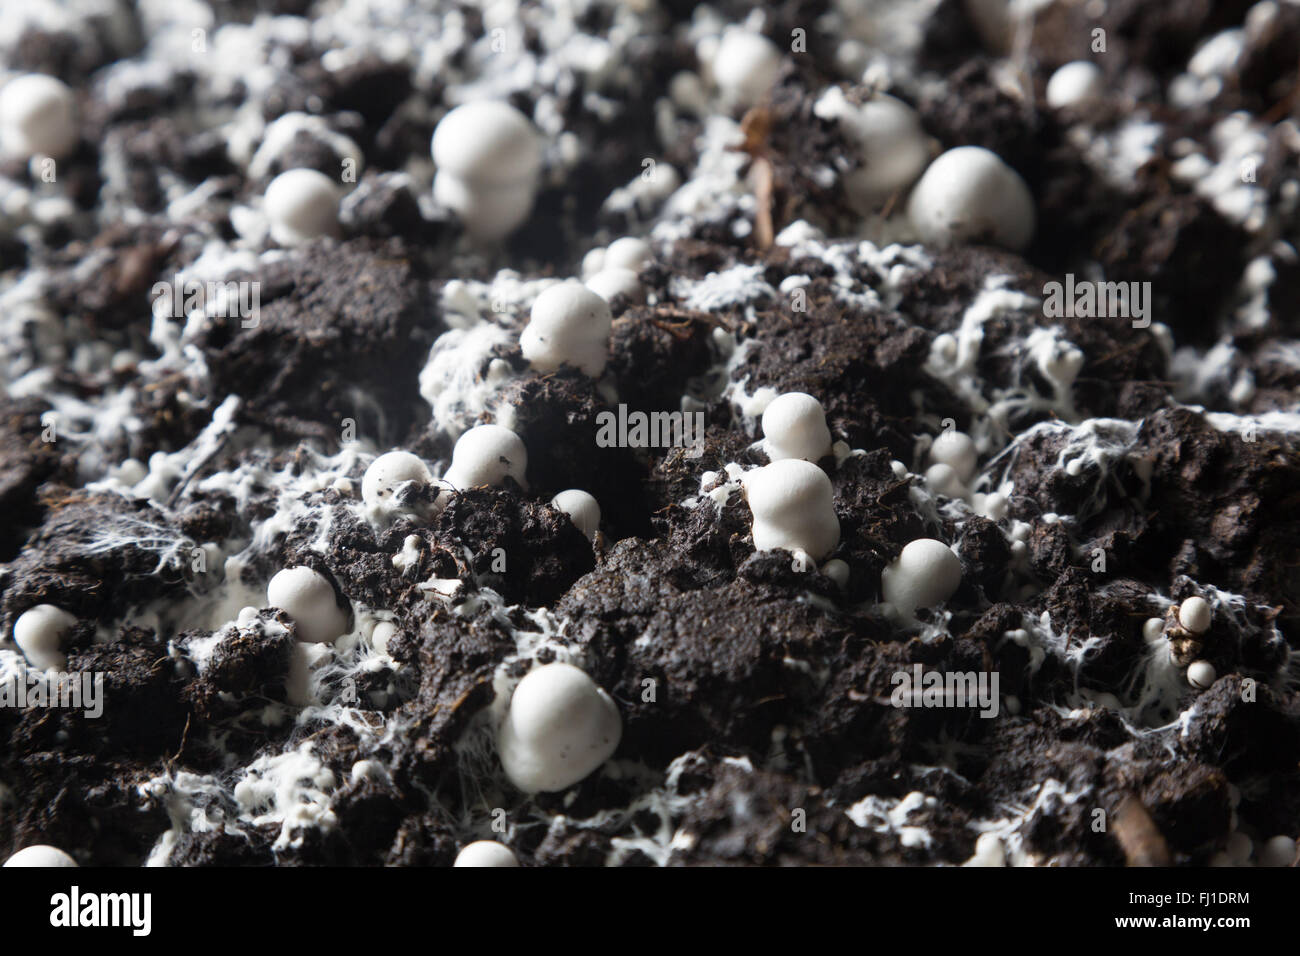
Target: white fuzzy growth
pixel 486 853
pixel 582 508
pixel 302 204
pixel 38 116
pixel 40 855
pixel 745 66
pixel 888 815
pixel 925 573
pixel 489 156
pixel 39 632
pixel 1075 84
pixel 461 378
pixel 891 144
pixel 560 727
pixel 292 789
pixel 793 506
pixel 794 426
pixel 570 325
pixel 970 195
pixel 308 598
pixel 485 455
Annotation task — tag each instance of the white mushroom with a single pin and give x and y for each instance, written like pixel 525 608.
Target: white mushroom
pixel 559 728
pixel 308 597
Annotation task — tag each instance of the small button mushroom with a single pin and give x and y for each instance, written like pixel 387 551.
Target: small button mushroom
pixel 1075 84
pixel 614 281
pixel 745 66
pixel 627 253
pixel 942 480
pixel 969 194
pixel 569 325
pixel 1200 674
pixel 793 507
pixel 382 636
pixel 302 204
pixel 890 143
pixel 40 855
pixel 1278 851
pixel 308 597
pixel 1153 630
pixel 582 508
pixel 956 450
pixel 794 426
pixel 488 212
pixel 837 571
pixel 389 474
pixel 924 574
pixel 38 116
pixel 488 141
pixel 486 853
pixel 489 157
pixel 1194 614
pixel 39 633
pixel 485 455
pixel 559 728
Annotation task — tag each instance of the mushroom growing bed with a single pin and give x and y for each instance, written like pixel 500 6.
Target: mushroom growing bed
pixel 615 433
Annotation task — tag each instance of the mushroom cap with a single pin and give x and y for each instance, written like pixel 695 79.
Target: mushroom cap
pixel 38 115
pixel 969 194
pixel 582 508
pixel 892 145
pixel 308 597
pixel 613 281
pixel 1201 674
pixel 1074 84
pixel 489 212
pixel 793 505
pixel 629 252
pixel 794 426
pixel 569 324
pixel 745 65
pixel 560 727
pixel 389 471
pixel 957 450
pixel 40 855
pixel 487 143
pixel 301 204
pixel 924 574
pixel 486 853
pixel 485 455
pixel 39 632
pixel 1195 615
